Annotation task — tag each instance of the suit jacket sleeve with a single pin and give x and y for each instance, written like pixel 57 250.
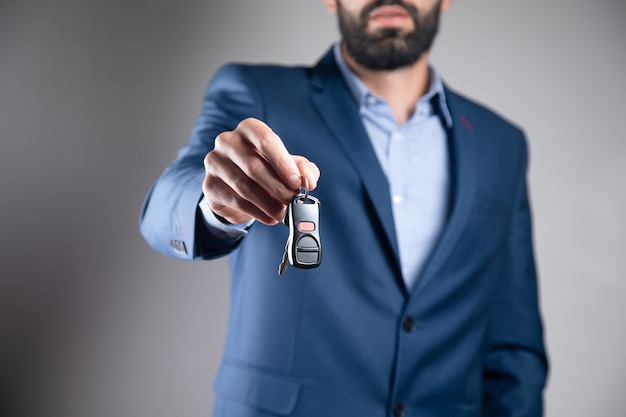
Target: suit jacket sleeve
pixel 515 365
pixel 171 221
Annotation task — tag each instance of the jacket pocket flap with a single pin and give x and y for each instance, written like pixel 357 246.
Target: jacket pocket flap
pixel 257 389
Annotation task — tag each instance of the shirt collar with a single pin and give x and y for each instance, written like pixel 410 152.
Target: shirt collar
pixel 360 92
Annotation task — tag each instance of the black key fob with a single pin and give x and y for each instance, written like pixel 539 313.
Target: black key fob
pixel 304 247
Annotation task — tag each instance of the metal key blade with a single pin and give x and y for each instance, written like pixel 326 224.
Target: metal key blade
pixel 284 263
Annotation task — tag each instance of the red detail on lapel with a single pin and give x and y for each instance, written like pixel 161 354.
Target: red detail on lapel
pixel 466 123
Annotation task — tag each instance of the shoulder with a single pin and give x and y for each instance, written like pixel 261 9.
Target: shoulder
pixel 269 87
pixel 260 74
pixel 495 137
pixel 236 81
pixel 467 110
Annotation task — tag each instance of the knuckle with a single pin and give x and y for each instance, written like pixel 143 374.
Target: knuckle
pixel 213 191
pixel 209 183
pixel 209 159
pixel 247 123
pixel 222 139
pixel 212 162
pixel 265 139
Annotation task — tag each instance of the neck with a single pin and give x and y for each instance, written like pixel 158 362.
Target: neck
pixel 401 87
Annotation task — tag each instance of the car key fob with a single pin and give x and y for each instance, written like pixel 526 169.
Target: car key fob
pixel 304 247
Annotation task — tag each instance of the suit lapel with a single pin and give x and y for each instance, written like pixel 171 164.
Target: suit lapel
pixel 337 107
pixel 463 147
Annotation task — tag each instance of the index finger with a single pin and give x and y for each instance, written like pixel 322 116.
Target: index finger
pixel 272 149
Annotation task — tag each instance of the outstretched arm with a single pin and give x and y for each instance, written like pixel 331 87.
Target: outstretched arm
pixel 241 168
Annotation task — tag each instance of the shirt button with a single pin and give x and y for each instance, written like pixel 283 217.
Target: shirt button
pixel 398 410
pixel 397 199
pixel 371 100
pixel 408 324
pixel 397 136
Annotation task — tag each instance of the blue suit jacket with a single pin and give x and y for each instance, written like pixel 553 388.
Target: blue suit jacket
pixel 347 339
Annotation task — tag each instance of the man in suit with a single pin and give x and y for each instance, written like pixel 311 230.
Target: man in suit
pixel 425 303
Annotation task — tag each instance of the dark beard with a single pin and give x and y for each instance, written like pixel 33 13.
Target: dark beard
pixel 388 49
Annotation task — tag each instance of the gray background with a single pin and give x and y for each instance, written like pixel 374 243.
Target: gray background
pixel 97 96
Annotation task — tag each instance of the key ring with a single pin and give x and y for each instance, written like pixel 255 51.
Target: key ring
pixel 304 186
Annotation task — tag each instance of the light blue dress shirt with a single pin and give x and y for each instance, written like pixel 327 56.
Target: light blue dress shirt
pixel 415 159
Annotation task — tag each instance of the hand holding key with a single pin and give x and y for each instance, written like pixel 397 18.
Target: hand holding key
pixel 250 174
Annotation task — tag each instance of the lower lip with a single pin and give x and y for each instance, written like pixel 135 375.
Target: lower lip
pixel 390 20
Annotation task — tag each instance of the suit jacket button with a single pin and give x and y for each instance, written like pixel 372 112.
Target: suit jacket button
pixel 408 324
pixel 178 246
pixel 398 410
